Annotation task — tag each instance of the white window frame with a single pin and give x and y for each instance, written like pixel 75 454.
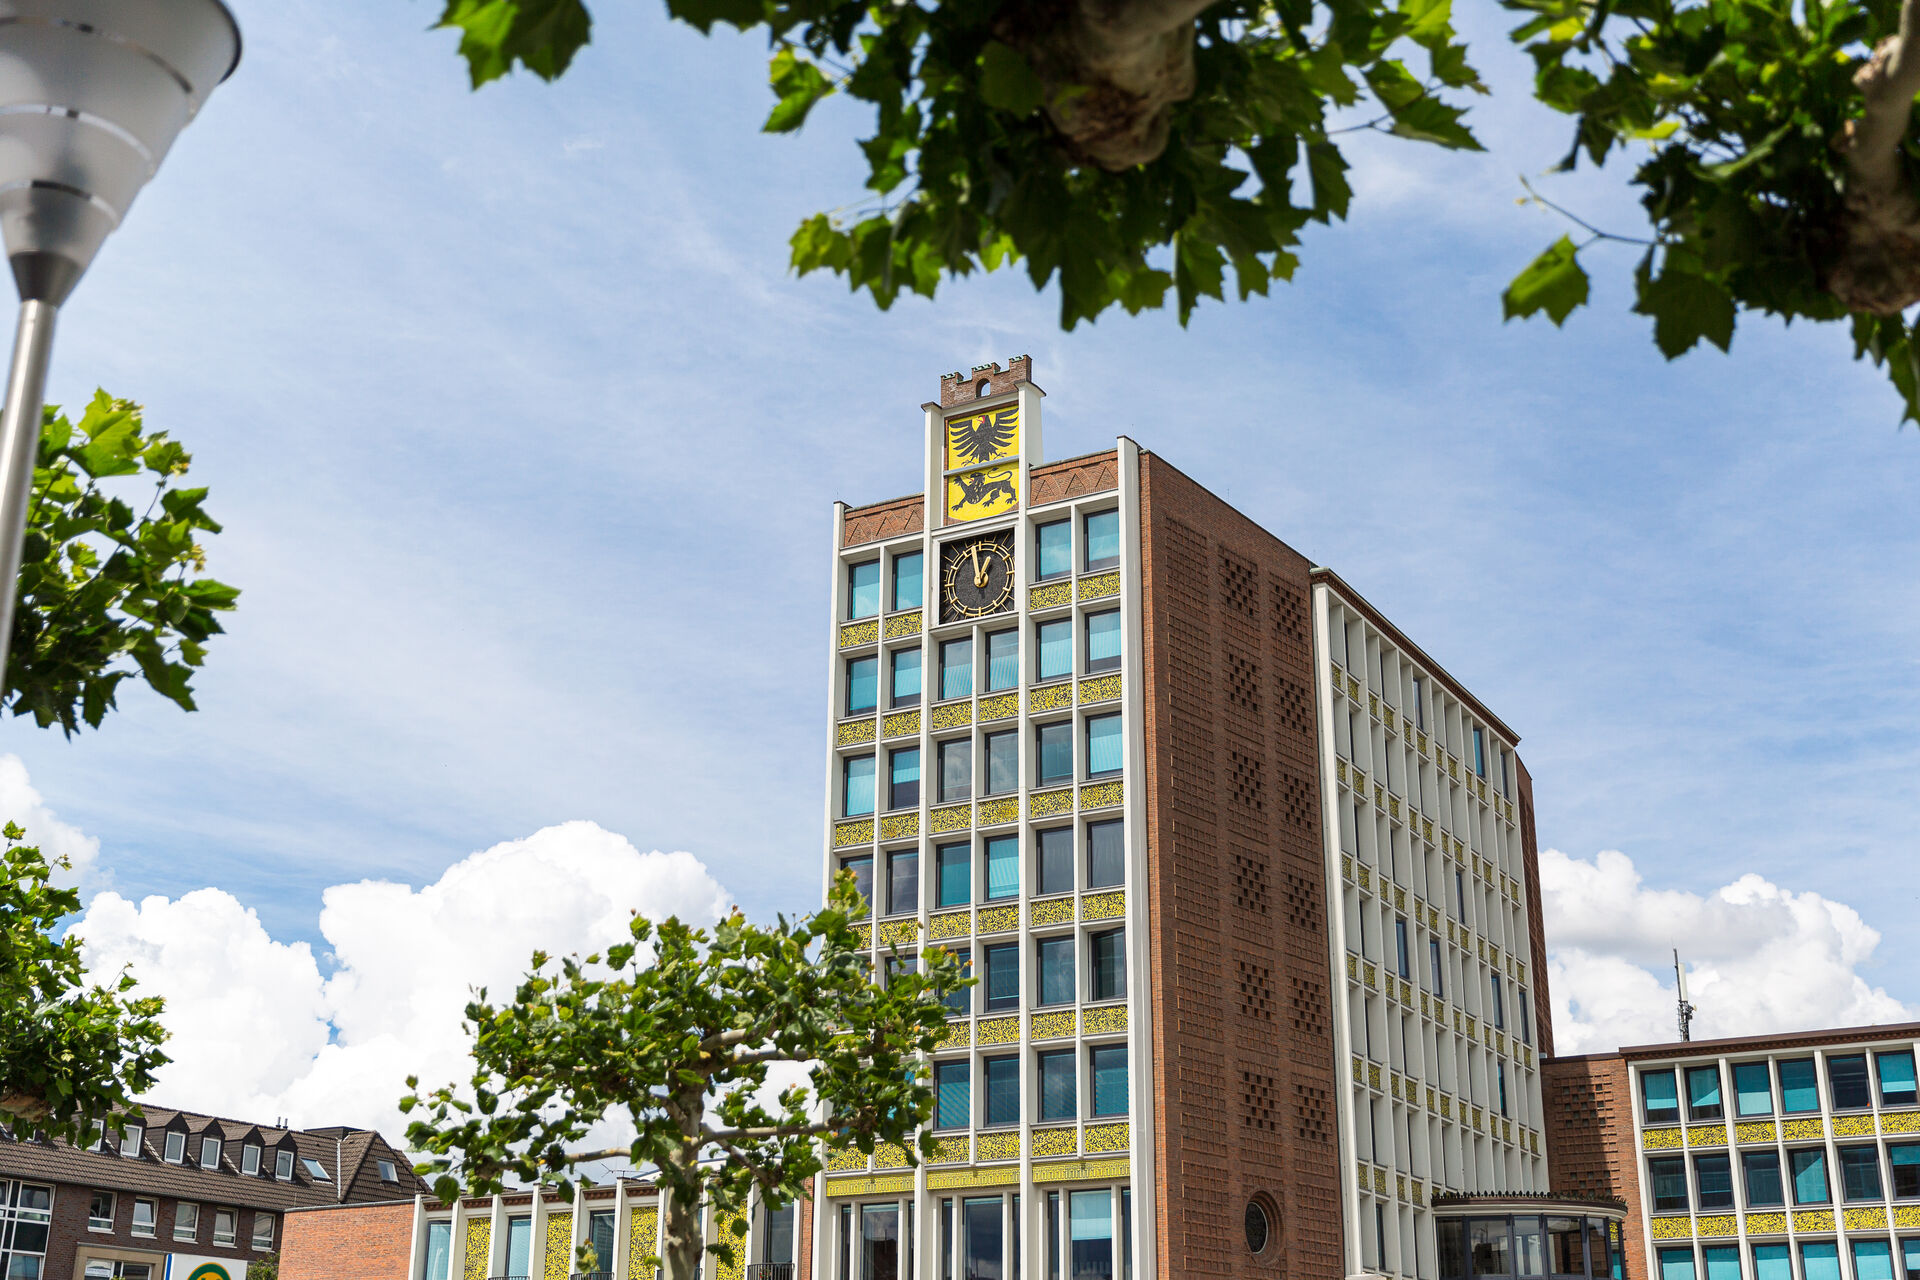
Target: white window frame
pixel 216 1145
pixel 180 1212
pixel 283 1164
pixel 232 1218
pixel 176 1154
pixel 261 1218
pixel 113 1209
pixel 250 1159
pixel 153 1219
pixel 130 1140
pixel 389 1171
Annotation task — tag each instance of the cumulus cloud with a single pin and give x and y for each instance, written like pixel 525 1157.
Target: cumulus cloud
pixel 260 1031
pixel 1760 958
pixel 20 803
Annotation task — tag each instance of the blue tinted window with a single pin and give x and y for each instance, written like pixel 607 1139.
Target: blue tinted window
pixel 1753 1089
pixel 960 1003
pixel 1003 1091
pixel 1809 1176
pixel 1056 649
pixel 956 769
pixel 903 781
pixel 1847 1078
pixel 857 786
pixel 1723 1261
pixel 906 676
pixel 1054 956
pixel 1772 1262
pixel 1860 1173
pixel 1904 1160
pixel 863 589
pixel 1676 1264
pixel 1763 1179
pixel 1661 1097
pixel 1103 745
pixel 1003 762
pixel 861 869
pixel 1003 660
pixel 1003 867
pixel 1909 1255
pixel 1057 1101
pixel 1896 1079
pixel 953 1107
pixel 1499 1005
pixel 956 669
pixel 1668 1176
pixel 1003 976
pixel 1798 1092
pixel 1820 1260
pixel 955 870
pixel 1872 1260
pixel 1056 860
pixel 1106 854
pixel 1055 742
pixel 1713 1176
pixel 1103 540
pixel 1400 948
pixel 1103 641
pixel 863 684
pixel 1703 1093
pixel 903 883
pixel 906 581
pixel 1479 754
pixel 1054 549
pixel 1109 1075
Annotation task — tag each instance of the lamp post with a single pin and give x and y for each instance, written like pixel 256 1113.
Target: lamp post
pixel 92 93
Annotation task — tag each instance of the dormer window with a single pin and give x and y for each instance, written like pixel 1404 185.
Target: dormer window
pixel 176 1152
pixel 387 1172
pixel 250 1159
pixel 209 1153
pixel 283 1165
pixel 130 1140
pixel 315 1169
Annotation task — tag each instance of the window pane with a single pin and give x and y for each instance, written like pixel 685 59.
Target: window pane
pixel 1772 1262
pixel 1003 867
pixel 1723 1262
pixel 1662 1099
pixel 1847 1079
pixel 903 882
pixel 857 801
pixel 1103 745
pixel 863 589
pixel 956 770
pixel 439 1250
pixel 1054 549
pixel 1668 1174
pixel 1003 762
pixel 960 1003
pixel 1103 540
pixel 906 581
pixel 1106 854
pixel 1676 1264
pixel 1103 640
pixel 1055 749
pixel 981 1227
pixel 1109 1075
pixel 1820 1260
pixel 1896 1079
pixel 1488 1240
pixel 1529 1247
pixel 1872 1260
pixel 1904 1157
pixel 1003 977
pixel 1763 1179
pixel 1909 1258
pixel 1055 958
pixel 862 870
pixel 1860 1173
pixel 1703 1093
pixel 1752 1089
pixel 863 684
pixel 1057 1101
pixel 1090 1232
pixel 1435 972
pixel 1713 1176
pixel 1109 960
pixel 1056 650
pixel 1797 1091
pixel 1003 660
pixel 906 676
pixel 954 863
pixel 1056 860
pixel 956 668
pixel 1565 1256
pixel 953 1098
pixel 1809 1176
pixel 903 778
pixel 1003 1091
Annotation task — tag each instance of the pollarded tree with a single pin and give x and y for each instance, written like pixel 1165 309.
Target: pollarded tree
pixel 1136 149
pixel 675 1033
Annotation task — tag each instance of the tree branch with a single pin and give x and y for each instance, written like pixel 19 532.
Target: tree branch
pixel 723 1136
pixel 590 1157
pixel 1888 84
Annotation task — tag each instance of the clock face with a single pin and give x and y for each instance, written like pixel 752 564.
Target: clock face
pixel 976 577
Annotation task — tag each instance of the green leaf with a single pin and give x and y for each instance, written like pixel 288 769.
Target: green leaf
pixel 541 35
pixel 1554 282
pixel 1007 80
pixel 1685 308
pixel 798 83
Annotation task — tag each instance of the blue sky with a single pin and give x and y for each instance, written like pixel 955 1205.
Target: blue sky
pixel 526 442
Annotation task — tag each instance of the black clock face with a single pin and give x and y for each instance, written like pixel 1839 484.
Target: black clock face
pixel 976 577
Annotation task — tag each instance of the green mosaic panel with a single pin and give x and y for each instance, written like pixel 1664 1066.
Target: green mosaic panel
pixel 1813 1220
pixel 1056 1142
pixel 903 624
pixel 952 1150
pixel 1003 706
pixel 1104 906
pixel 1049 697
pixel 1108 1137
pixel 993 812
pixel 1099 586
pixel 1050 1026
pixel 854 732
pixel 901 724
pixel 1044 804
pixel 899 826
pixel 1100 689
pixel 859 633
pixel 1101 795
pixel 999 919
pixel 479 1237
pixel 953 924
pixel 999 1146
pixel 957 817
pixel 643 1230
pixel 998 1031
pixel 1107 1018
pixel 1050 911
pixel 894 933
pixel 1050 595
pixel 559 1254
pixel 857 832
pixel 1766 1224
pixel 952 715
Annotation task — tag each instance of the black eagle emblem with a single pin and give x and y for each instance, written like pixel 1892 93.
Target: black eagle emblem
pixel 977 487
pixel 985 436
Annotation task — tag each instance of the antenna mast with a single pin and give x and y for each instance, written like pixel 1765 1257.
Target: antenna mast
pixel 1686 1007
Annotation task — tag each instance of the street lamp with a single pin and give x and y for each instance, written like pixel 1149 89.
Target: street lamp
pixel 92 93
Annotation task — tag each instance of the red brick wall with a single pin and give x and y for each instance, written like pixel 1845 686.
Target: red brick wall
pixel 1590 1148
pixel 1243 1072
pixel 883 520
pixel 352 1242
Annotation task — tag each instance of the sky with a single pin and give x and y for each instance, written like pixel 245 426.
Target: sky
pixel 525 442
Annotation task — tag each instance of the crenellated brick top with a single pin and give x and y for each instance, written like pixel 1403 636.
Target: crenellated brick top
pixel 960 388
pixel 1072 477
pixel 883 520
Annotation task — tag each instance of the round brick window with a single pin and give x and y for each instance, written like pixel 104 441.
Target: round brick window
pixel 1259 1227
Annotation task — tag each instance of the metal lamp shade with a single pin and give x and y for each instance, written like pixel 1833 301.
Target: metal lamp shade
pixel 92 94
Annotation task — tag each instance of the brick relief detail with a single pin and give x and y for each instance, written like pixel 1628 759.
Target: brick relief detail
pixel 1235 880
pixel 1590 1146
pixel 1058 481
pixel 883 520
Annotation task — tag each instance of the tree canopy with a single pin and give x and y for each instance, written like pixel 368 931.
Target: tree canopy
pixel 674 1033
pixel 1136 151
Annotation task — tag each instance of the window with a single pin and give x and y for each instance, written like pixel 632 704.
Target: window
pixel 1752 1089
pixel 440 1252
pixel 1713 1181
pixel 907 592
pixel 209 1153
pixel 226 1226
pixel 1860 1173
pixel 1103 540
pixel 1797 1091
pixel 262 1230
pixel 600 1236
pixel 1872 1260
pixel 1763 1179
pixel 1903 1159
pixel 903 882
pixel 387 1171
pixel 1108 1072
pixel 1661 1103
pixel 1401 964
pixel 956 770
pixel 1053 649
pixel 1054 959
pixel 1003 976
pixel 863 684
pixel 1103 641
pixel 1896 1079
pixel 1003 660
pixel 1564 1248
pixel 1003 762
pixel 1435 978
pixel 1809 1176
pixel 1420 703
pixel 863 589
pixel 100 1211
pixel 903 778
pixel 1772 1262
pixel 1053 753
pixel 1499 1005
pixel 315 1170
pixel 1479 753
pixel 250 1159
pixel 1820 1260
pixel 1909 1260
pixel 1703 1093
pixel 1847 1082
pixel 1003 867
pixel 956 668
pixel 130 1140
pixel 176 1152
pixel 1056 860
pixel 953 866
pixel 1676 1264
pixel 1002 1078
pixel 1057 1092
pixel 143 1218
pixel 1103 745
pixel 960 1003
pixel 1501 1073
pixel 861 869
pixel 1526 1019
pixel 1106 854
pixel 953 1095
pixel 856 786
pixel 893 966
pixel 1668 1177
pixel 1723 1261
pixel 1053 550
pixel 1460 895
pixel 283 1160
pixel 905 676
pixel 1107 966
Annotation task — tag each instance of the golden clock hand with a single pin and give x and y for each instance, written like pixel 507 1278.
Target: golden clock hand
pixel 974 551
pixel 986 568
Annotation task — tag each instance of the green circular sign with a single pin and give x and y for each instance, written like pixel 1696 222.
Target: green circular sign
pixel 210 1271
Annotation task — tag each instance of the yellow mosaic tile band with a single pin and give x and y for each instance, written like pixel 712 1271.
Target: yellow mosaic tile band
pixel 953 1179
pixel 1800 1130
pixel 1852 1126
pixel 732 1232
pixel 890 1155
pixel 952 715
pixel 952 1150
pixel 958 1035
pixel 903 624
pixel 1050 1026
pixel 1865 1219
pixel 1108 1137
pixel 1050 595
pixel 999 919
pixel 1050 911
pixel 1813 1220
pixel 1707 1135
pixel 998 1031
pixel 643 1230
pixel 854 732
pixel 1100 689
pixel 999 1145
pixel 1672 1228
pixel 1754 1131
pixel 1081 1170
pixel 1049 697
pixel 899 933
pixel 876 1185
pixel 1660 1140
pixel 1001 707
pixel 857 832
pixel 1900 1122
pixel 1766 1224
pixel 1099 586
pixel 1044 804
pixel 899 826
pixel 859 633
pixel 997 811
pixel 1056 1142
pixel 559 1255
pixel 900 724
pixel 479 1236
pixel 1104 795
pixel 953 924
pixel 1717 1225
pixel 1104 906
pixel 1107 1018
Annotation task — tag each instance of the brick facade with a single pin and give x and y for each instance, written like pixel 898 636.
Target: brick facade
pixel 1243 1072
pixel 74 1242
pixel 1589 1122
pixel 364 1242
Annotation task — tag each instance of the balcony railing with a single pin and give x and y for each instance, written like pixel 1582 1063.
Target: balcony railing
pixel 591 1275
pixel 770 1271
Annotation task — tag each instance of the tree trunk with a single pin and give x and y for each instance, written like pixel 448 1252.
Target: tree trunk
pixel 681 1245
pixel 1876 266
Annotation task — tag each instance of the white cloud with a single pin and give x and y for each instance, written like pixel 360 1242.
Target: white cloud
pixel 259 1032
pixel 20 803
pixel 1759 958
